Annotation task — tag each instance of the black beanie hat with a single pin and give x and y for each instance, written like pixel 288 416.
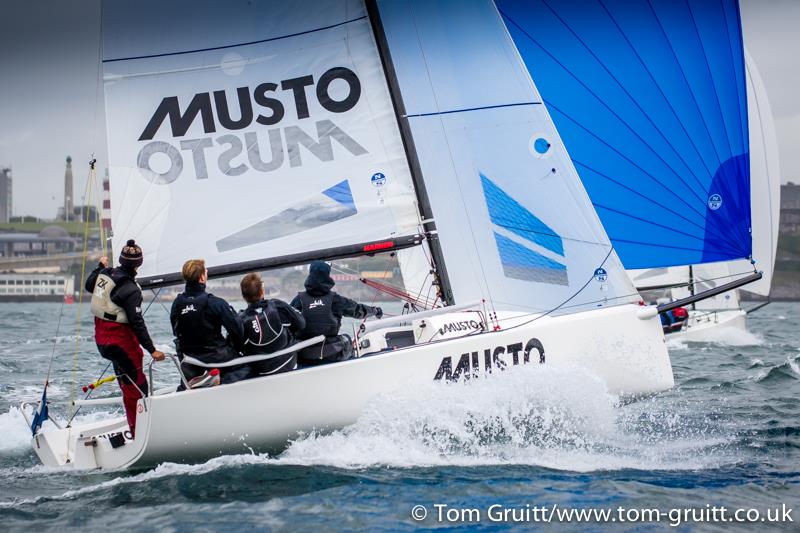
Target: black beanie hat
pixel 131 255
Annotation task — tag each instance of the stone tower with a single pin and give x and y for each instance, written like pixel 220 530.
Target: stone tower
pixel 68 203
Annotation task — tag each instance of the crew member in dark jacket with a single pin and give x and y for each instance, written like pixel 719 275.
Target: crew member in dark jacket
pixel 119 327
pixel 269 326
pixel 197 319
pixel 323 310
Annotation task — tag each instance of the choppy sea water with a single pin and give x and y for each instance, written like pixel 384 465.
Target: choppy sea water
pixel 727 435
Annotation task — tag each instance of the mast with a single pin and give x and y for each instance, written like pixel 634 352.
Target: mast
pixel 691 285
pixel 423 201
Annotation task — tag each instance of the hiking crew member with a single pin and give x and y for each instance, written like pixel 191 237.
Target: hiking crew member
pixel 119 327
pixel 323 310
pixel 269 326
pixel 197 319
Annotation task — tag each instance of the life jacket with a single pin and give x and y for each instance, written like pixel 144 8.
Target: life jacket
pixel 102 307
pixel 318 312
pixel 264 331
pixel 196 333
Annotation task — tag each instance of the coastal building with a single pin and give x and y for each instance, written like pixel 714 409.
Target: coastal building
pixel 51 240
pixel 5 194
pixel 790 209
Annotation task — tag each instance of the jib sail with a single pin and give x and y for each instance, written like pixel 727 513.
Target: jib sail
pixel 515 224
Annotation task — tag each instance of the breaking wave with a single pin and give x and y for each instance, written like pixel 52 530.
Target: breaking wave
pixel 563 419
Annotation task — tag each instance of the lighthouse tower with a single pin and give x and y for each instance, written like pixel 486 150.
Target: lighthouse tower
pixel 69 205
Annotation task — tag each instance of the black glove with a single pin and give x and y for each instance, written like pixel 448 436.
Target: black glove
pixel 378 312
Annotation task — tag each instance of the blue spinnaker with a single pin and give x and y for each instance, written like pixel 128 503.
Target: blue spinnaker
pixel 649 99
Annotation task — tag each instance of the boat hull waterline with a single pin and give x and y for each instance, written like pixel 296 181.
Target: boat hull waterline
pixel 621 345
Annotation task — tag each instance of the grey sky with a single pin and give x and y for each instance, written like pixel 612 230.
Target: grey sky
pixel 51 101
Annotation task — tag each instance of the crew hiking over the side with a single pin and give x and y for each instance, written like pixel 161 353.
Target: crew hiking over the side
pixel 119 327
pixel 197 319
pixel 323 310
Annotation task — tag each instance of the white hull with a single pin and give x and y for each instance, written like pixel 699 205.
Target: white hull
pixel 622 345
pixel 708 326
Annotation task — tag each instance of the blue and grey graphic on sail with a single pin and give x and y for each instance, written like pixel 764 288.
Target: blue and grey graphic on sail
pixel 515 223
pixel 649 98
pixel 332 204
pixel 511 221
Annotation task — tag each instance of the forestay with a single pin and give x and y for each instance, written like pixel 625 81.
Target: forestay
pixel 515 224
pixel 649 97
pixel 245 131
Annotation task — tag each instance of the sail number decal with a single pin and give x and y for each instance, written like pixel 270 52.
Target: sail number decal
pixel 470 364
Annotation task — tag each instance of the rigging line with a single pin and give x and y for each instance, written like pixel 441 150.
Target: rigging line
pixel 223 47
pixel 155 292
pixel 660 91
pixel 562 304
pixel 633 100
pixel 590 302
pixel 346 270
pixel 88 395
pixel 80 296
pixel 418 297
pixel 351 271
pixel 467 109
pixel 711 78
pixel 686 81
pixel 98 205
pixel 646 221
pixel 55 338
pixel 452 160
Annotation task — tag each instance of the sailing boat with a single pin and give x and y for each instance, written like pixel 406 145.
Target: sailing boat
pixel 707 318
pixel 643 98
pixel 260 137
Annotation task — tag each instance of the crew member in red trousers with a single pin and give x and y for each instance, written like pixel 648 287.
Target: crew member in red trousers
pixel 119 328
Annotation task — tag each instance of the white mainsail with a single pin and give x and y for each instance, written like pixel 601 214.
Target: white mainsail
pixel 269 133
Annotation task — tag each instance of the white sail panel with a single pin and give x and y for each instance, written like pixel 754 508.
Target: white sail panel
pixel 515 224
pixel 250 131
pixel 710 275
pixel 765 181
